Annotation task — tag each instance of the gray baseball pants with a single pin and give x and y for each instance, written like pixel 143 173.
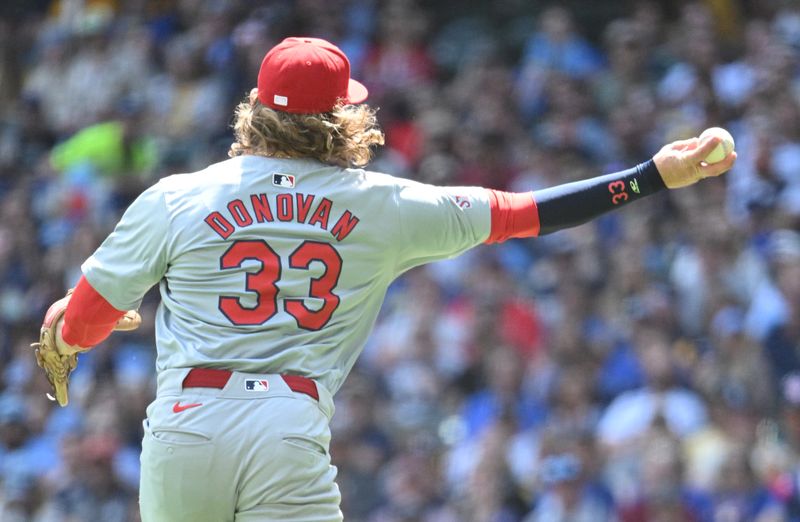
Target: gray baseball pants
pixel 254 450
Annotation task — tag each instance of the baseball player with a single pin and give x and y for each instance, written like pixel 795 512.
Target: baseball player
pixel 272 266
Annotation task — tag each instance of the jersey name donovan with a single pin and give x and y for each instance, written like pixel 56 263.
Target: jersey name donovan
pixel 301 208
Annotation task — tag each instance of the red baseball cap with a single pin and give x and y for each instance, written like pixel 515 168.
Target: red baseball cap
pixel 307 76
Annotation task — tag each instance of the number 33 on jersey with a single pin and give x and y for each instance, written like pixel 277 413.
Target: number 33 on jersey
pixel 263 283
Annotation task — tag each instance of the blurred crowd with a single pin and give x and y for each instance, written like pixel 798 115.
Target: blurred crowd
pixel 643 367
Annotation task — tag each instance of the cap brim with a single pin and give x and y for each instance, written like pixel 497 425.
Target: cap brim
pixel 356 92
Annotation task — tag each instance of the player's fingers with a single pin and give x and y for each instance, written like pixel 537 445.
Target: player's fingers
pixel 704 148
pixel 684 144
pixel 693 143
pixel 715 169
pixel 130 321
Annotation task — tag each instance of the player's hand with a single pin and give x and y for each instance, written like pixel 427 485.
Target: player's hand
pixel 681 162
pixel 58 358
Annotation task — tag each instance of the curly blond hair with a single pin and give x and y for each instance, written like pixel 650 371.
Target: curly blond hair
pixel 344 136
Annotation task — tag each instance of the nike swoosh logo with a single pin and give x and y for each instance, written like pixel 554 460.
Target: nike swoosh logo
pixel 181 407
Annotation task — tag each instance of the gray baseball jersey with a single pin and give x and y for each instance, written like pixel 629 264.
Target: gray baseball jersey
pixel 277 265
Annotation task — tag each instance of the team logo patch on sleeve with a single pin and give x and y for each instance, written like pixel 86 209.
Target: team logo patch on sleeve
pixel 463 201
pixel 283 180
pixel 257 385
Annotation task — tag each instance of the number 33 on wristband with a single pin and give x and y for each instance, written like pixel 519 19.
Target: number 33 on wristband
pixel 617 190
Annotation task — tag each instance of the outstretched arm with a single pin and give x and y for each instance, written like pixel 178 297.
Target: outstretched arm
pixel 575 203
pixel 676 165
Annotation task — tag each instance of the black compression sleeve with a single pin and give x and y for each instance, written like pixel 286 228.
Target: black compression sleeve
pixel 575 203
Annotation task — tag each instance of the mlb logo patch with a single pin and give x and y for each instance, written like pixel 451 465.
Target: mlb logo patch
pixel 283 180
pixel 256 385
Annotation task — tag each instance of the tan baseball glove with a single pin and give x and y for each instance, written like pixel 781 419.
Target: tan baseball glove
pixel 58 358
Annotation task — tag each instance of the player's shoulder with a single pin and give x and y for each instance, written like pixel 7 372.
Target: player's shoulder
pixel 220 173
pixel 193 191
pixel 372 179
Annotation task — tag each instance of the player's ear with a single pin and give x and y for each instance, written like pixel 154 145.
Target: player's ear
pixel 253 96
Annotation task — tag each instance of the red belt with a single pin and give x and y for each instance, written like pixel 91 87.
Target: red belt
pixel 213 378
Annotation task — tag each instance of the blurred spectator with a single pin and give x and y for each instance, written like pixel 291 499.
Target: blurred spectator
pixel 661 400
pixel 783 338
pixel 558 48
pixel 109 148
pixel 661 495
pixel 570 493
pixel 738 496
pixel 96 494
pixel 400 60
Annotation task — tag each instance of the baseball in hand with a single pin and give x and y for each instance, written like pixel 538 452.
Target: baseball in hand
pixel 724 148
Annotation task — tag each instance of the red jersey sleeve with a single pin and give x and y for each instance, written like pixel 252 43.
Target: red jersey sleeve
pixel 513 215
pixel 89 318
